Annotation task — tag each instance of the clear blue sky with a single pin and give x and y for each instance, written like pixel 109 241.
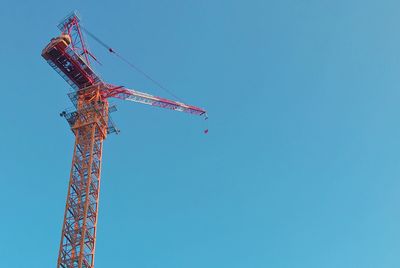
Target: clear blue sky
pixel 301 167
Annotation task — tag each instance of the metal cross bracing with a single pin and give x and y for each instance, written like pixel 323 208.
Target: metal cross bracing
pixel 70 26
pixel 90 125
pixel 90 121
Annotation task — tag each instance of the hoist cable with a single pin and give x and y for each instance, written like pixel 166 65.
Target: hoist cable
pixel 130 64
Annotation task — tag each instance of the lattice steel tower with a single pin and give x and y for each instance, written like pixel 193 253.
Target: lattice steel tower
pixel 90 122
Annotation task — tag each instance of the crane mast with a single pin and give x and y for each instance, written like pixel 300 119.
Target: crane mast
pixel 90 122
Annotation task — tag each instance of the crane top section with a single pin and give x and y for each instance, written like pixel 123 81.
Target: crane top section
pixel 68 55
pixel 70 26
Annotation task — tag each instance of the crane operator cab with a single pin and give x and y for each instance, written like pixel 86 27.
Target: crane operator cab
pixel 61 42
pixel 66 38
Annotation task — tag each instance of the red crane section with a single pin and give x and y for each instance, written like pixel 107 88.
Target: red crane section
pixel 123 93
pixel 68 63
pixel 69 56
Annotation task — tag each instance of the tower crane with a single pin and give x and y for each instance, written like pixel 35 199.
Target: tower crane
pixel 90 121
